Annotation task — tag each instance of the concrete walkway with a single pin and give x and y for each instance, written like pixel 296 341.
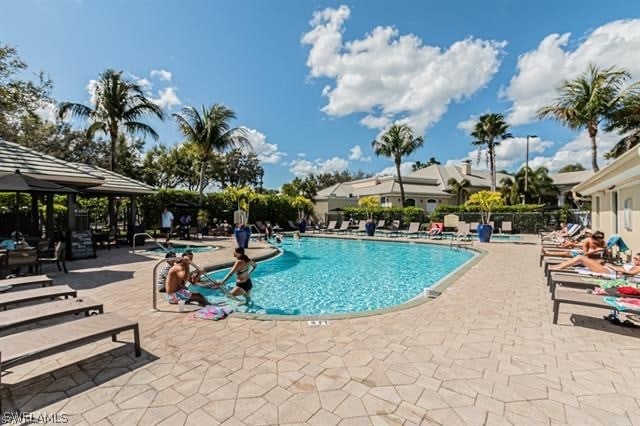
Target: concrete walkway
pixel 484 352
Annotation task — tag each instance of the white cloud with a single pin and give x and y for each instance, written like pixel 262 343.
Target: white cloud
pixel 301 167
pixel 301 154
pixel 167 98
pixel 394 77
pixel 91 87
pixel 510 154
pixel 469 124
pixel 162 74
pixel 144 84
pixel 405 169
pixel 358 155
pixel 577 151
pixel 267 152
pixel 542 70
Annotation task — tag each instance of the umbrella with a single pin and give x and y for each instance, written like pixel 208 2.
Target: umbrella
pixel 18 182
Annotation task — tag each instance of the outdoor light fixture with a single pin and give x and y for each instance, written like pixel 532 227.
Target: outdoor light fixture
pixel 526 169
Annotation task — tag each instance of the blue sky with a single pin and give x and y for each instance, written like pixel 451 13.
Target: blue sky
pixel 307 86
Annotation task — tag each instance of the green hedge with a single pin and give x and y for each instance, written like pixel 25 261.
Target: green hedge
pixel 405 215
pixel 442 210
pixel 218 205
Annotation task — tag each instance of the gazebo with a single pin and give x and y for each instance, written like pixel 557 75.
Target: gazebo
pixel 83 178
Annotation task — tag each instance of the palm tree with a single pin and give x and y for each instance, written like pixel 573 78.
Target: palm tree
pixel 589 100
pixel 510 189
pixel 395 143
pixel 461 189
pixel 119 104
pixel 626 121
pixel 420 165
pixel 487 133
pixel 210 132
pixel 540 184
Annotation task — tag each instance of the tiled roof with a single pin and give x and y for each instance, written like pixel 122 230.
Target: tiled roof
pixel 82 176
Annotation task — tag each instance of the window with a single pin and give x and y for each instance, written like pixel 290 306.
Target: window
pixel 431 205
pixel 409 202
pixel 628 209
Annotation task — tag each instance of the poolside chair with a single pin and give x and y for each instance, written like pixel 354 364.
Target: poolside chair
pixel 506 227
pixel 462 236
pixel 292 225
pixel 393 228
pixel 579 298
pixel 29 345
pixel 361 228
pixel 9 320
pixel 57 256
pixel 53 292
pixel 380 224
pixel 19 282
pixel 414 229
pixel 473 226
pixel 435 231
pixel 329 227
pixel 344 227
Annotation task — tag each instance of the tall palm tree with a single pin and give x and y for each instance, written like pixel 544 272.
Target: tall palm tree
pixel 461 188
pixel 487 134
pixel 120 104
pixel 540 183
pixel 626 121
pixel 395 143
pixel 587 101
pixel 209 130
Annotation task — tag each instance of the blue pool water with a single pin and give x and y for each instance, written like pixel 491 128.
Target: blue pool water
pixel 316 276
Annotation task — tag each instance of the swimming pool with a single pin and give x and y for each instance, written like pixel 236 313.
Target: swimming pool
pixel 318 276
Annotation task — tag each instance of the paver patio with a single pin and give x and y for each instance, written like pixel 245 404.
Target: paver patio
pixel 484 352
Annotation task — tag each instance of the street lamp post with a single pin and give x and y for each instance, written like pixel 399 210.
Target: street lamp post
pixel 526 168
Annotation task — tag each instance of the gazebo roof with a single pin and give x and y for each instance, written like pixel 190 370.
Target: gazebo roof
pixel 87 178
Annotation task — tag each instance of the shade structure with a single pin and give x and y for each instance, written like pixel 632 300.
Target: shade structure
pixel 17 182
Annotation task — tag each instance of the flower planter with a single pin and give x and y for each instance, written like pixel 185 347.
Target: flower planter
pixel 370 228
pixel 484 233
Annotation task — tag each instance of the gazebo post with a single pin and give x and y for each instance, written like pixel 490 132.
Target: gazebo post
pixel 35 217
pixel 133 210
pixel 71 211
pixel 50 225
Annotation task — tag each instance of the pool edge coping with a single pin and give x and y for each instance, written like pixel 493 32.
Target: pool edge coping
pixel 442 284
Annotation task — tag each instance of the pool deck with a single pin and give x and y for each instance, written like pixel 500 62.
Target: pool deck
pixel 484 352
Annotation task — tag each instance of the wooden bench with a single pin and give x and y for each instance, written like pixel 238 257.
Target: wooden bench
pixel 52 292
pixel 44 311
pixel 42 280
pixel 30 345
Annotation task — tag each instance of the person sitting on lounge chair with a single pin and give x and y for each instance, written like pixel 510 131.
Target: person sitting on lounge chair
pixel 176 284
pixel 601 267
pixel 436 229
pixel 591 247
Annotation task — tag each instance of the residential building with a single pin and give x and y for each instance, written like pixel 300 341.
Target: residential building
pixel 615 198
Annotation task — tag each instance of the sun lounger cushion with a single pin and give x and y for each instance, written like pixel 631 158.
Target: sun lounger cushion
pixel 23 281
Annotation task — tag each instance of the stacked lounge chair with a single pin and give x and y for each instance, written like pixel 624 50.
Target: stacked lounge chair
pixel 20 346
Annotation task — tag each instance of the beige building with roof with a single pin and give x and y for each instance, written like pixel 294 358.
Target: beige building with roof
pixel 426 188
pixel 615 198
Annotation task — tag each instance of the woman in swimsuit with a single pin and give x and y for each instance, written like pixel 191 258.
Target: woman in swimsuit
pixel 593 247
pixel 600 267
pixel 243 269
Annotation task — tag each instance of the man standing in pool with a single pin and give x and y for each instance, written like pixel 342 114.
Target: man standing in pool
pixel 243 269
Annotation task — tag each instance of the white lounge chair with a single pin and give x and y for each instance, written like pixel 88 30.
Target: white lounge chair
pixel 462 236
pixel 506 227
pixel 414 229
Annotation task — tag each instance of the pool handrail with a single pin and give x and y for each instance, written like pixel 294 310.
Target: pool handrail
pixel 164 249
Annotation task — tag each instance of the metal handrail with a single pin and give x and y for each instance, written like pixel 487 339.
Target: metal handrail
pixel 154 240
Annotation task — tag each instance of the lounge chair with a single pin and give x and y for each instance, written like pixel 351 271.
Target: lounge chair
pixel 435 231
pixel 29 345
pixel 473 226
pixel 393 228
pixel 579 298
pixel 414 229
pixel 41 280
pixel 506 227
pixel 331 226
pixel 52 292
pixel 292 225
pixel 44 311
pixel 344 227
pixel 361 228
pixel 463 236
pixel 380 224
